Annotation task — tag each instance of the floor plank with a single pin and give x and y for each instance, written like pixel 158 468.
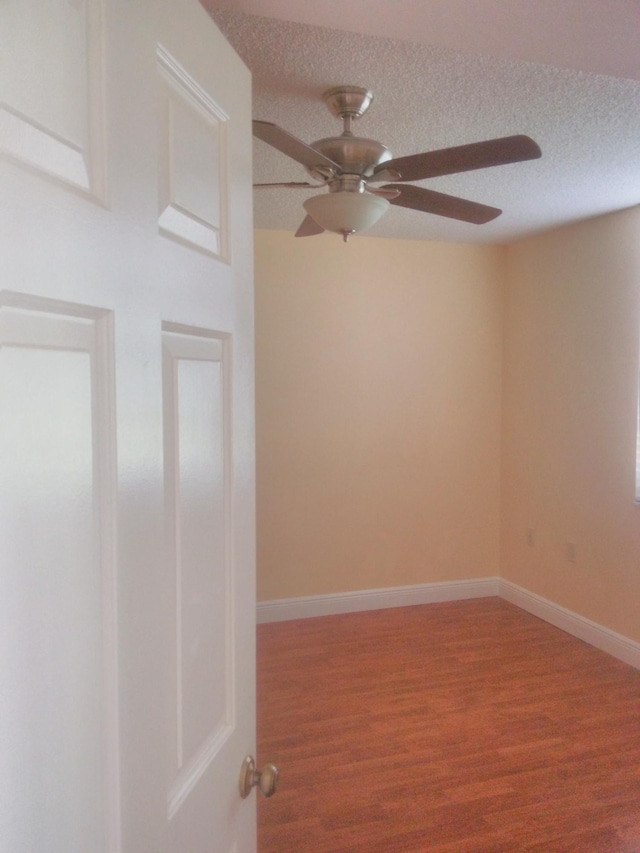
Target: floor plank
pixel 463 727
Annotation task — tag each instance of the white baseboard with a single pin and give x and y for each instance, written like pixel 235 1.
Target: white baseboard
pixel 618 646
pixel 579 626
pixel 284 609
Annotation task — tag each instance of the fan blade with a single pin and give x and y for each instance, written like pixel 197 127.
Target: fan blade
pixel 309 228
pixel 464 158
pixel 294 184
pixel 428 201
pixel 290 145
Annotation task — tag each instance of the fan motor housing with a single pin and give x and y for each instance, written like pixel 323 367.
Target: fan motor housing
pixel 354 154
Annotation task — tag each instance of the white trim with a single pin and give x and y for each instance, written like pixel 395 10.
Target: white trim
pixel 579 626
pixel 281 610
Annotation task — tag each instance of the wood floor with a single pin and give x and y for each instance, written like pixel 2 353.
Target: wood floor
pixel 464 727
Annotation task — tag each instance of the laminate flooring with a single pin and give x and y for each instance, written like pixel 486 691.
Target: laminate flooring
pixel 462 727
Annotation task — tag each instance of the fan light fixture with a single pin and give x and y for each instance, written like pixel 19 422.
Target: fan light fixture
pixel 346 213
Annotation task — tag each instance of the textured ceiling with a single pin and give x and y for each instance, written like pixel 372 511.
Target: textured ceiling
pixel 429 96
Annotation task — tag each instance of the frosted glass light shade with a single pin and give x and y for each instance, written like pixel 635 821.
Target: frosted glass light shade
pixel 346 212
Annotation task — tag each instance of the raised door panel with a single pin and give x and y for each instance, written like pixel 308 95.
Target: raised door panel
pixel 193 161
pixel 197 435
pixel 197 465
pixel 51 92
pixel 57 600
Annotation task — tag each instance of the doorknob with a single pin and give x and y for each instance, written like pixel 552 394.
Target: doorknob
pixel 266 780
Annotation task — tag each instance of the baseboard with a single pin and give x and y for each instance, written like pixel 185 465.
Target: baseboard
pixel 618 646
pixel 282 610
pixel 579 626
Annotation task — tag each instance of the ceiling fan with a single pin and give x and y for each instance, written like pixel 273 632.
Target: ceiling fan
pixel 350 166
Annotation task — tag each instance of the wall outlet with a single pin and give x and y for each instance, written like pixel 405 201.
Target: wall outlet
pixel 571 551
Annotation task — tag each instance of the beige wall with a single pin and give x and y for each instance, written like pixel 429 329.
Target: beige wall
pixel 570 394
pixel 422 406
pixel 378 413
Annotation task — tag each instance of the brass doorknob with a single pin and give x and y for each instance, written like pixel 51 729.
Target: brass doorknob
pixel 266 780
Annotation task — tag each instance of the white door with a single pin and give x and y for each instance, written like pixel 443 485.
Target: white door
pixel 126 408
